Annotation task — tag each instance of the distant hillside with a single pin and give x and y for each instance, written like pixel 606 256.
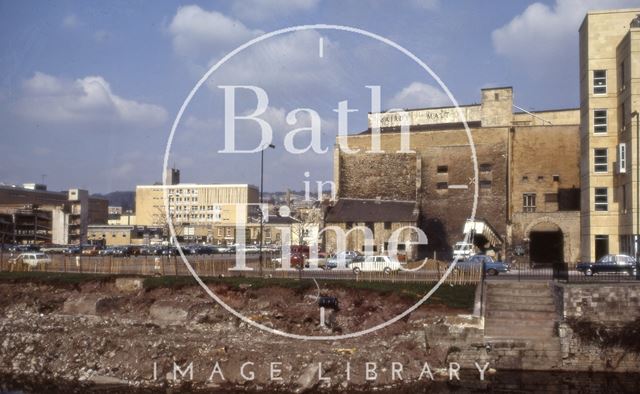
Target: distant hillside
pixel 126 200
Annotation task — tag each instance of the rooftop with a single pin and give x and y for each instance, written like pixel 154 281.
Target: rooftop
pixel 364 210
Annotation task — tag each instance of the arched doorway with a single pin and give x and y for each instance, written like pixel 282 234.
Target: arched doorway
pixel 546 244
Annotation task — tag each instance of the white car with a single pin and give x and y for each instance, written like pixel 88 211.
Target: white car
pixel 32 259
pixel 376 264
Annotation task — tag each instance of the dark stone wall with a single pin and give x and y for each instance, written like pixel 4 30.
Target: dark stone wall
pixel 444 210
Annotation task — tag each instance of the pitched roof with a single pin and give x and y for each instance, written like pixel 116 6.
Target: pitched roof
pixel 362 210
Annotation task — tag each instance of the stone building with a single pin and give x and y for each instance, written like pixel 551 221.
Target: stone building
pixel 517 156
pixel 381 217
pixel 609 104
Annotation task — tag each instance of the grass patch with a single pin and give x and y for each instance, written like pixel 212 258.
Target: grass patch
pixel 458 296
pixel 54 278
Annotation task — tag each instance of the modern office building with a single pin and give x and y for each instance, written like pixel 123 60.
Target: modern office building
pixel 37 215
pixel 196 210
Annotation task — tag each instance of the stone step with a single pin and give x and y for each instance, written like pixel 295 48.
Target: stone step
pixel 523 333
pixel 517 305
pixel 513 314
pixel 523 344
pixel 518 300
pixel 519 292
pixel 529 284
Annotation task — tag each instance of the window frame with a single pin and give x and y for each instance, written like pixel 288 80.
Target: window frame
pixel 604 167
pixel 601 206
pixel 604 127
pixel 529 202
pixel 596 86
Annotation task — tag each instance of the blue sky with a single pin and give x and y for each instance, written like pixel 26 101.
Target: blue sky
pixel 89 90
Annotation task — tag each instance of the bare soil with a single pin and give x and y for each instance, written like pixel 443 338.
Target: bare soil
pixel 94 334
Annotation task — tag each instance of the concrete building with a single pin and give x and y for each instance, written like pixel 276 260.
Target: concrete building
pixel 41 216
pixel 520 178
pixel 197 210
pixel 609 94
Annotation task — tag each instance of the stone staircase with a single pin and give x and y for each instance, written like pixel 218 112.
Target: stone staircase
pixel 520 325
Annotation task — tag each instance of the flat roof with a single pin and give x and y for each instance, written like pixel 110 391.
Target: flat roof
pixel 197 185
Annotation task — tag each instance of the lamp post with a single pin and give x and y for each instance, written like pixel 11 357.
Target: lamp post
pixel 637 160
pixel 261 200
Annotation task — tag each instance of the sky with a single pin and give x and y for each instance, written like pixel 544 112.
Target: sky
pixel 89 90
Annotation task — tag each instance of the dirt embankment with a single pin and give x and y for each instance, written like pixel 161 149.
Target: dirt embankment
pixel 132 336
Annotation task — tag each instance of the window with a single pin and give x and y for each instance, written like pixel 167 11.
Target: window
pixel 442 169
pixel 529 202
pixel 485 184
pixel 601 199
pixel 485 167
pixel 442 185
pixel 622 158
pixel 556 178
pixel 600 160
pixel 387 225
pixel 599 81
pixel 600 121
pixel 349 225
pixel 541 177
pixel 525 178
pixel 624 198
pixel 622 79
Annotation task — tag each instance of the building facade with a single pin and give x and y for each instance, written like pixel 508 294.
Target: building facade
pixel 41 216
pixel 609 94
pixel 197 211
pixel 521 183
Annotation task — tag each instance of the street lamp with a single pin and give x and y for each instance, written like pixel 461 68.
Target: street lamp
pixel 637 160
pixel 261 200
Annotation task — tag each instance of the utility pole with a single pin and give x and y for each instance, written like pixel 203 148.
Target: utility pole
pixel 261 200
pixel 637 160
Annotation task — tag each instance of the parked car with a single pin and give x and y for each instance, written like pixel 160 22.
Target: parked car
pixel 491 266
pixel 463 250
pixel 376 264
pixel 24 248
pixel 349 256
pixel 32 259
pixel 51 249
pixel 611 263
pixel 109 251
pixel 72 250
pixel 90 250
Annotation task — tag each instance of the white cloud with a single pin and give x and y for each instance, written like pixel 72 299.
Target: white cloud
pixel 419 95
pixel 543 33
pixel 45 98
pixel 256 10
pixel 197 33
pixel 70 21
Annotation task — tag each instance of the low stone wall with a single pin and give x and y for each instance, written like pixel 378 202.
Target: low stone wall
pixel 610 304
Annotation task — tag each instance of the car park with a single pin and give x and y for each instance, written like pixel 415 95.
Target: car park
pixel 383 264
pixel 32 259
pixel 491 266
pixel 610 263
